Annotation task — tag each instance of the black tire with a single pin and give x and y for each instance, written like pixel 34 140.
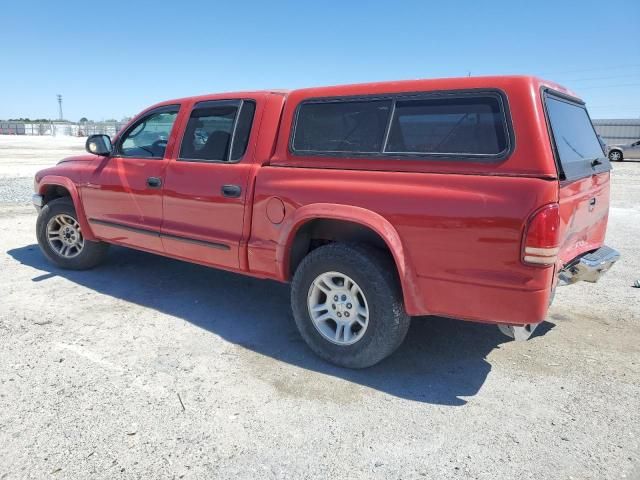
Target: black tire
pixel 612 156
pixel 92 253
pixel 374 272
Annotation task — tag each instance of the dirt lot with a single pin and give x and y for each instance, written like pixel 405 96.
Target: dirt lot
pixel 151 368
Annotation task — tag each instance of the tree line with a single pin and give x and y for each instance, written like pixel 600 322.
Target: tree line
pixel 49 120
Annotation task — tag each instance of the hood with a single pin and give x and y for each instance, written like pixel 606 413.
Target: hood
pixel 86 157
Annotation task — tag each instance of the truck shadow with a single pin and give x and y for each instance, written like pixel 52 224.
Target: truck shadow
pixel 440 362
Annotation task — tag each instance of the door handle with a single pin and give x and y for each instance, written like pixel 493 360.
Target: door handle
pixel 154 182
pixel 232 191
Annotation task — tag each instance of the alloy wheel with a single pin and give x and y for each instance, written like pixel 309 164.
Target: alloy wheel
pixel 65 236
pixel 338 308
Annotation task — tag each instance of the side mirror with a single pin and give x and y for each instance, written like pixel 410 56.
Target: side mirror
pixel 99 145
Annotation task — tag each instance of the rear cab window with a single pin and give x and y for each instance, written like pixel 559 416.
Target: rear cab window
pixel 454 125
pixel 577 149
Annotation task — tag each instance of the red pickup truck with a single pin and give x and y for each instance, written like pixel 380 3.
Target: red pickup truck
pixel 469 198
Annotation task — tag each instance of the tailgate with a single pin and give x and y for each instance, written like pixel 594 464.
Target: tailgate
pixel 584 209
pixel 584 176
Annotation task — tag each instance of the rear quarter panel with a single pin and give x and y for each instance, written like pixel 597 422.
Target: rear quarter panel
pixel 461 234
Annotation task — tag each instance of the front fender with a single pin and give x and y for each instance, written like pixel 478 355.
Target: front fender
pixel 68 184
pixel 364 217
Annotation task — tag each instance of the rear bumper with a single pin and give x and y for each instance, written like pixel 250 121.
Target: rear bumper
pixel 487 303
pixel 588 267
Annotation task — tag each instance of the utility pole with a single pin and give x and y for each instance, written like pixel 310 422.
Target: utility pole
pixel 59 107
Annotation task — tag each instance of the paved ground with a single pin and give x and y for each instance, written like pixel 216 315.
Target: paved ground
pixel 151 368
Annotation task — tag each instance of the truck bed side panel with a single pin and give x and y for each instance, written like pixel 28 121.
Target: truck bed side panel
pixel 461 233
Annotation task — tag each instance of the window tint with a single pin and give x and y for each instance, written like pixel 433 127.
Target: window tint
pixel 208 135
pixel 345 126
pixel 575 139
pixel 456 126
pixel 149 136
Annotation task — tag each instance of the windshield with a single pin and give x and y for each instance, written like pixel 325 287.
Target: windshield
pixel 578 149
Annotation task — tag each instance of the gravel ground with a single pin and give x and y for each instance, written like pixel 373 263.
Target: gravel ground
pixel 148 367
pixel 22 156
pixel 16 190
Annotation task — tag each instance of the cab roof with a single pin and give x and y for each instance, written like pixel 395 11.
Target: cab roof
pixel 433 84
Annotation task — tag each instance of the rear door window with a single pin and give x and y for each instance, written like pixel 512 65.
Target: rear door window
pixel 218 131
pixel 577 149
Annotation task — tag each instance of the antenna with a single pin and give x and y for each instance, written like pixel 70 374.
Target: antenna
pixel 59 106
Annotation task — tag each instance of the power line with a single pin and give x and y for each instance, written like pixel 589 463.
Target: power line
pixel 629 107
pixel 611 86
pixel 593 69
pixel 611 77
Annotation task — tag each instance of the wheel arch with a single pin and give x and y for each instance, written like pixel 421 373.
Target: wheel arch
pixel 53 186
pixel 366 222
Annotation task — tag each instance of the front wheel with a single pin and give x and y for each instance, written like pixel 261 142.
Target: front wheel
pixel 347 304
pixel 61 240
pixel 615 156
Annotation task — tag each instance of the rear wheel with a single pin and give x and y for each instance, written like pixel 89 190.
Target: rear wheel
pixel 61 240
pixel 616 156
pixel 347 304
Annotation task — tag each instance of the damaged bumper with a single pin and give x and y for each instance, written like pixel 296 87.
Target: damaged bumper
pixel 588 267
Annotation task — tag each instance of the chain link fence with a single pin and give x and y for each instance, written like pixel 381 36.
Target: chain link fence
pixel 83 129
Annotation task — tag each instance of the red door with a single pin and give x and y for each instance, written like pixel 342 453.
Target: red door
pixel 206 185
pixel 123 196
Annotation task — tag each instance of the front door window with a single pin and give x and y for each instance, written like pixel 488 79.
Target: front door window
pixel 148 137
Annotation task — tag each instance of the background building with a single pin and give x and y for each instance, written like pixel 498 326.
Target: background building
pixel 618 131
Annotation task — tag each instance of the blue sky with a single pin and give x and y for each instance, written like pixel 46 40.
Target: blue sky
pixel 111 59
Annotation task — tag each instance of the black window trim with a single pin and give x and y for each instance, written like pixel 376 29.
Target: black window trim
pixel 570 99
pixel 239 102
pixel 499 94
pixel 117 153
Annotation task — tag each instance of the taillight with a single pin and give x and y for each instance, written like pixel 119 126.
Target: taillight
pixel 541 242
